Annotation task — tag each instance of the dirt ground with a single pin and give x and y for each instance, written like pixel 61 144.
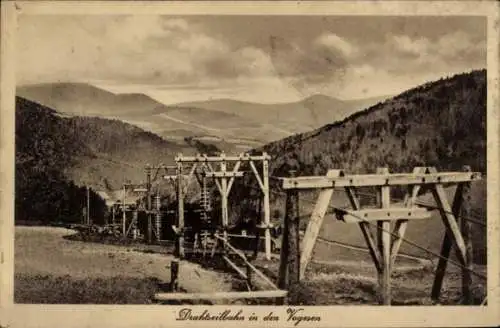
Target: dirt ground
pixel 42 253
pixel 50 268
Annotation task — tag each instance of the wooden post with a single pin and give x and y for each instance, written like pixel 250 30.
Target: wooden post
pixel 290 252
pixel 134 224
pixel 384 242
pixel 174 274
pixel 158 217
pixel 149 207
pixel 465 227
pixel 88 205
pixel 224 208
pixel 180 212
pixel 124 215
pixel 267 210
pixel 445 249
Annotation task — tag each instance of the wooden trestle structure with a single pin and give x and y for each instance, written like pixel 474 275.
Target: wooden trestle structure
pixel 223 176
pixel 384 249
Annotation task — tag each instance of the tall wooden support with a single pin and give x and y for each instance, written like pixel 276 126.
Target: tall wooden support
pixel 454 235
pixel 401 225
pixel 174 275
pixel 267 210
pixel 149 207
pixel 289 273
pixel 385 253
pixel 224 191
pixel 158 217
pixel 384 243
pixel 124 214
pixel 88 206
pixel 180 211
pixel 133 224
pixel 224 179
pixel 466 229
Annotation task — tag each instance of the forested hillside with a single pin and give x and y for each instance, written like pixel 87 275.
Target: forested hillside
pixel 441 123
pixel 56 156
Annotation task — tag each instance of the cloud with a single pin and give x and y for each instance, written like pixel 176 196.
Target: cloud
pixel 130 49
pixel 336 45
pixel 183 53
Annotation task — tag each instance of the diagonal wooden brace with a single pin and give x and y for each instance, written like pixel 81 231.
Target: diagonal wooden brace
pixel 365 229
pixel 314 225
pixel 401 225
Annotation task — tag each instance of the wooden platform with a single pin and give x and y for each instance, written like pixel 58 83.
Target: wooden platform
pixel 220 295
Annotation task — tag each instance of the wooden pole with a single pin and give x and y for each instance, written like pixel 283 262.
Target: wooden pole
pixel 384 242
pixel 124 216
pixel 158 217
pixel 453 234
pixel 174 274
pixel 149 207
pixel 224 206
pixel 465 227
pixel 290 252
pixel 267 211
pixel 180 212
pixel 88 205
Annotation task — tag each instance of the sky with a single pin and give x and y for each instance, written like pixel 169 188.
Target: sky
pixel 264 59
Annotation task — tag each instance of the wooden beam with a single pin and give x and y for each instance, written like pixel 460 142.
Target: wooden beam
pixel 365 229
pixel 465 227
pixel 211 169
pixel 267 208
pixel 206 159
pixel 384 240
pixel 382 214
pixel 242 256
pixel 180 213
pixel 231 181
pixel 290 251
pixel 315 222
pixel 235 267
pixel 257 176
pixel 224 201
pixel 220 295
pixel 401 225
pixel 174 274
pixel 223 174
pixel 449 220
pixel 314 182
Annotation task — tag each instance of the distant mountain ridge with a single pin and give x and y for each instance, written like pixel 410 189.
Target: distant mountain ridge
pixel 238 124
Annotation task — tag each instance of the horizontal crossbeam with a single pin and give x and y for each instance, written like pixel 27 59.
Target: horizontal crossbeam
pixel 220 295
pixel 379 214
pixel 220 174
pixel 203 158
pixel 365 180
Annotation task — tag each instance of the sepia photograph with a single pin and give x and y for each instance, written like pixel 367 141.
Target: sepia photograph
pixel 168 159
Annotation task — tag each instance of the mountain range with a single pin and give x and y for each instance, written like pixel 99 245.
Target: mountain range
pixel 231 125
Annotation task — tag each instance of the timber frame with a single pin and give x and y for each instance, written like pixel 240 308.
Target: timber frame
pixel 228 169
pixel 383 250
